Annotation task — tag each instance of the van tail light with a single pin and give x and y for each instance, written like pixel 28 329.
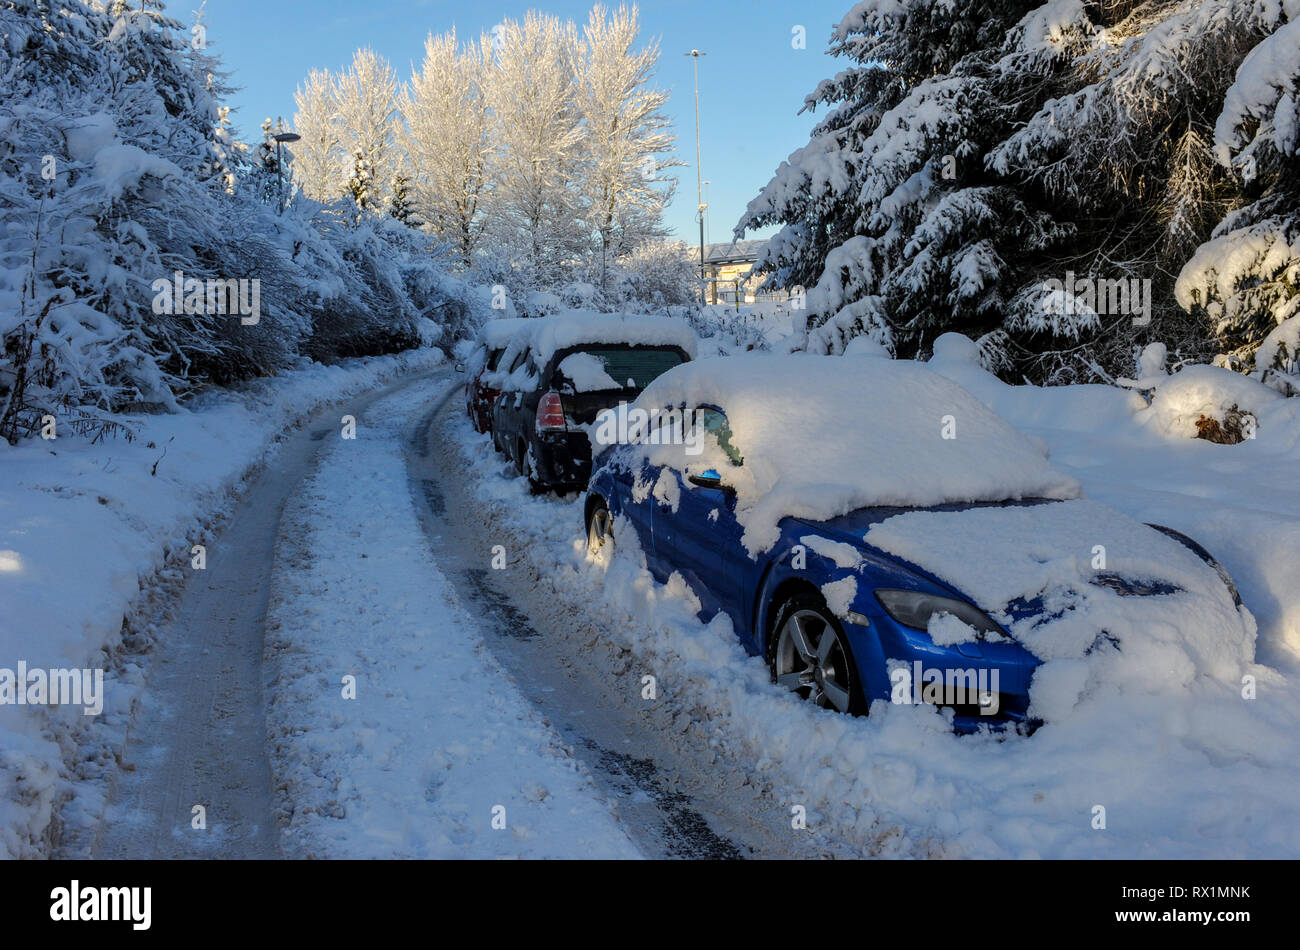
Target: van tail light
pixel 550 413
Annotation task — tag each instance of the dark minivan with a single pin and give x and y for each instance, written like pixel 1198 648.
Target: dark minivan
pixel 560 372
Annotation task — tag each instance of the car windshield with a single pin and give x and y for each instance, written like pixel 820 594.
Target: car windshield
pixel 627 367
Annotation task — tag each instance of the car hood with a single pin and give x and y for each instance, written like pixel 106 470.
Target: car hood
pixel 1080 585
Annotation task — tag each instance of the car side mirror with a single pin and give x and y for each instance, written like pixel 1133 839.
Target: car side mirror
pixel 710 479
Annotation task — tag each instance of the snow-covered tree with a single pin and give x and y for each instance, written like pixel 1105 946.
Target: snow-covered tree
pixel 627 134
pixel 1246 277
pixel 890 220
pixel 318 157
pixel 125 247
pixel 538 133
pixel 402 207
pixel 653 275
pixel 975 154
pixel 366 103
pixel 447 138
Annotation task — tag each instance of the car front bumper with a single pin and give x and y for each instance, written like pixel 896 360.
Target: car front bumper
pixel 1004 668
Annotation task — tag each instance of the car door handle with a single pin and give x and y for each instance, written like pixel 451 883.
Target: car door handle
pixel 704 481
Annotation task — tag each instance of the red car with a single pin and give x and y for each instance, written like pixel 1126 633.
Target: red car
pixel 495 337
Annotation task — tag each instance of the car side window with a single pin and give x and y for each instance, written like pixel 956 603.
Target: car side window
pixel 512 377
pixel 714 421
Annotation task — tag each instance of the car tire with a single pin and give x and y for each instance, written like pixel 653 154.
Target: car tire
pixel 600 529
pixel 800 658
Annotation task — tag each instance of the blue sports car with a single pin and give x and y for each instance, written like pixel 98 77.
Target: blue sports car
pixel 876 533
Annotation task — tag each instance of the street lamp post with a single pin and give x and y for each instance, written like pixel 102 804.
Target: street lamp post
pixel 280 139
pixel 699 176
pixel 708 231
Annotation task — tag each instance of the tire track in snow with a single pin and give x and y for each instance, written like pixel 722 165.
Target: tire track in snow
pixel 434 746
pixel 199 736
pixel 678 799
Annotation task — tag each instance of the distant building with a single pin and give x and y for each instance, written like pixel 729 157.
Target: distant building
pixel 728 269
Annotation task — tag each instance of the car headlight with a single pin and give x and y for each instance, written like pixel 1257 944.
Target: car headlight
pixel 914 609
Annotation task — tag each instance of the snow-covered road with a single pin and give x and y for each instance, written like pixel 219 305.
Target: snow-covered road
pixel 198 738
pixel 359 682
pixel 675 793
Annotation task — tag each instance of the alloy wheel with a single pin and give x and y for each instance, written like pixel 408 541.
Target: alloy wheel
pixel 811 661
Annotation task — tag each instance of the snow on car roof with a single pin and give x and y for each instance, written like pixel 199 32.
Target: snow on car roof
pixel 546 336
pixel 822 436
pixel 498 333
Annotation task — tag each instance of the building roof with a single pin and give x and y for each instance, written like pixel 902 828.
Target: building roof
pixel 737 252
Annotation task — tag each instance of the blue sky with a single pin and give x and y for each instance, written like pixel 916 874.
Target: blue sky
pixel 752 83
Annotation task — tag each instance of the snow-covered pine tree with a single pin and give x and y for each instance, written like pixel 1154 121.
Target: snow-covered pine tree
pixel 1123 152
pixel 891 220
pixel 974 154
pixel 1246 278
pixel 402 206
pixel 262 172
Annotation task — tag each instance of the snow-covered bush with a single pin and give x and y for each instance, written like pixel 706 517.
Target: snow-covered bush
pixel 142 252
pixel 653 275
pixel 1211 403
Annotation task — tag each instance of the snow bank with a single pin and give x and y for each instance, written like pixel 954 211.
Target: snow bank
pixel 823 436
pixel 1208 392
pixel 1074 408
pixel 90 527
